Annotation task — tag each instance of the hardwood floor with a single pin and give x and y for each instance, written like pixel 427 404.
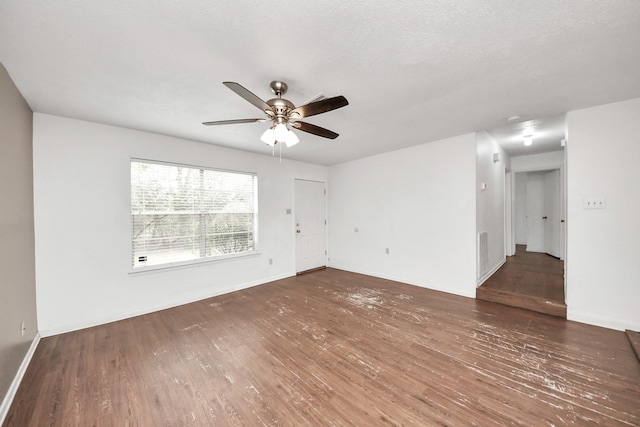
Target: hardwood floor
pixel 332 348
pixel 530 280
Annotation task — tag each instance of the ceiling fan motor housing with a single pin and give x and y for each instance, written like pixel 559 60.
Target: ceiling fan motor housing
pixel 281 108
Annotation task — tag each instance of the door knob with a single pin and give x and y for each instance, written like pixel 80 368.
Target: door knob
pixel 544 217
pixel 297 231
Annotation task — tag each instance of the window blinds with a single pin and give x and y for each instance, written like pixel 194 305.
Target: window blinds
pixel 182 213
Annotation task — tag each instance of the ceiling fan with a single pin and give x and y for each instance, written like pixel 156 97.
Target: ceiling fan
pixel 283 113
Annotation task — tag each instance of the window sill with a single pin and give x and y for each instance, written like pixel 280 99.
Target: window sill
pixel 194 263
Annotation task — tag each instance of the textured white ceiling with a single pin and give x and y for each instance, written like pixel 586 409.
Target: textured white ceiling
pixel 413 71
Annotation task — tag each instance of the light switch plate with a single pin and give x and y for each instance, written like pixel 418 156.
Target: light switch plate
pixel 595 203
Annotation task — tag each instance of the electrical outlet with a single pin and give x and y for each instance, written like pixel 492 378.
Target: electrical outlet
pixel 270 261
pixel 387 251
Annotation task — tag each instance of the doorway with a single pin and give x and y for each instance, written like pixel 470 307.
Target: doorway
pixel 534 212
pixel 310 225
pixel 533 276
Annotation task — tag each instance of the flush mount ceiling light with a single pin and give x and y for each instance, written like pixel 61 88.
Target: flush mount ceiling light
pixel 528 140
pixel 282 113
pixel 527 134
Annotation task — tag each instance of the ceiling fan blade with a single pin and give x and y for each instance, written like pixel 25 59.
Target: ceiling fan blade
pixel 233 122
pixel 316 130
pixel 319 107
pixel 247 95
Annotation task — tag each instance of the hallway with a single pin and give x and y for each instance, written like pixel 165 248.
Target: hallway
pixel 530 280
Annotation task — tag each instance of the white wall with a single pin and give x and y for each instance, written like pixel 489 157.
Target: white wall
pixel 520 207
pixel 490 207
pixel 82 223
pixel 420 203
pixel 538 162
pixel 603 254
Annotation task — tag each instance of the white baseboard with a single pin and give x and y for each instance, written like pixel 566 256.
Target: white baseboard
pixel 97 322
pixel 602 321
pixel 431 286
pixel 13 388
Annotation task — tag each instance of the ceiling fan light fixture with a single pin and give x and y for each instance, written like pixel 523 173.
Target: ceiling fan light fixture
pixel 280 111
pixel 269 137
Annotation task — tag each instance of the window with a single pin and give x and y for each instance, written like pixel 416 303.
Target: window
pixel 183 214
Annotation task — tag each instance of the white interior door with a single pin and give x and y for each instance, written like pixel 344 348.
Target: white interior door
pixel 551 216
pixel 535 212
pixel 310 217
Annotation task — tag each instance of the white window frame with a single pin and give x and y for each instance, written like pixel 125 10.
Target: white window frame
pixel 201 259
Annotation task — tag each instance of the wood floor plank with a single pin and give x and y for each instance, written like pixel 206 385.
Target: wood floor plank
pixel 333 348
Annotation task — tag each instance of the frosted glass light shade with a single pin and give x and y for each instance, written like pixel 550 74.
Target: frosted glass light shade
pixel 291 139
pixel 281 132
pixel 528 140
pixel 268 137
